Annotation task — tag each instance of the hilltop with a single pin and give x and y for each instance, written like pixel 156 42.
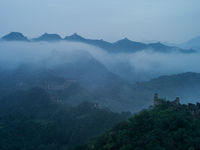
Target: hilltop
pixel 15 36
pixel 48 38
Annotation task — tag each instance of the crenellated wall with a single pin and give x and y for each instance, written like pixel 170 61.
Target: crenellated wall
pixel 175 103
pixel 63 86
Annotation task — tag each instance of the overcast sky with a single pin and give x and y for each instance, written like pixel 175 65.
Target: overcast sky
pixel 175 21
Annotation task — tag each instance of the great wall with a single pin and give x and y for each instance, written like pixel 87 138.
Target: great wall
pixel 193 109
pixel 65 85
pixel 49 88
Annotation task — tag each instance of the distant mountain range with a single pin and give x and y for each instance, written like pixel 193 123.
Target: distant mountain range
pixel 124 45
pixel 191 44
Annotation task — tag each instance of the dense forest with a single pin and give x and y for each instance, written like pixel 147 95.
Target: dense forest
pixel 30 120
pixel 162 127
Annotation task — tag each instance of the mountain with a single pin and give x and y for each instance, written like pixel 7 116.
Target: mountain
pixel 75 38
pixel 76 76
pixel 128 46
pixel 15 36
pixel 192 44
pixel 93 81
pixel 107 88
pixel 159 47
pixel 121 46
pixel 161 127
pixel 81 65
pixel 184 85
pixel 99 43
pixel 48 38
pixel 125 45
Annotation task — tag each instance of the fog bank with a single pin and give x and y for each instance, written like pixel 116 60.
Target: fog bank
pixel 140 66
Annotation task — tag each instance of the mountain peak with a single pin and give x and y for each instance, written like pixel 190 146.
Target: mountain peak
pixel 74 37
pixel 129 45
pixel 15 36
pixel 48 37
pixel 125 40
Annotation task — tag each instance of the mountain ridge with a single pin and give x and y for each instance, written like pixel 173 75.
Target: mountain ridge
pixel 48 38
pixel 192 44
pixel 124 45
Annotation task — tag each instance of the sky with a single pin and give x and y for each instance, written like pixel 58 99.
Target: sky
pixel 175 21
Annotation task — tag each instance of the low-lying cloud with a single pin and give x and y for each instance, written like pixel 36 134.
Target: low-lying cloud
pixel 132 67
pixel 145 65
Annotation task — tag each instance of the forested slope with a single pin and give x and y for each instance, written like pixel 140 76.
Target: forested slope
pixel 185 85
pixel 162 127
pixel 29 120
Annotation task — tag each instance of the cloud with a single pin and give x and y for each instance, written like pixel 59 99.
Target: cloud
pixel 35 51
pixel 165 63
pixel 145 65
pixel 140 66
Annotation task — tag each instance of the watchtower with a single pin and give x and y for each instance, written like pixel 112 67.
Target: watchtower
pixel 156 99
pixel 177 101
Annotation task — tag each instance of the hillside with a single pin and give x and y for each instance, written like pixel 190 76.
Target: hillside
pixel 184 85
pixel 93 82
pixel 162 127
pixel 31 120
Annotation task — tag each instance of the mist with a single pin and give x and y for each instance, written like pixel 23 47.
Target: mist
pixel 132 67
pixel 146 65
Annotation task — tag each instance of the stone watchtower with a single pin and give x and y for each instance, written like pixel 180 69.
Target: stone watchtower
pixel 156 102
pixel 177 101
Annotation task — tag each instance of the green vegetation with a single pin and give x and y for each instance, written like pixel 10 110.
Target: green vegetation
pixel 159 128
pixel 185 85
pixel 29 120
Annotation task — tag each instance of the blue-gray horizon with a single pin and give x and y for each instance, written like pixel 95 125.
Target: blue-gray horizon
pixel 172 21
